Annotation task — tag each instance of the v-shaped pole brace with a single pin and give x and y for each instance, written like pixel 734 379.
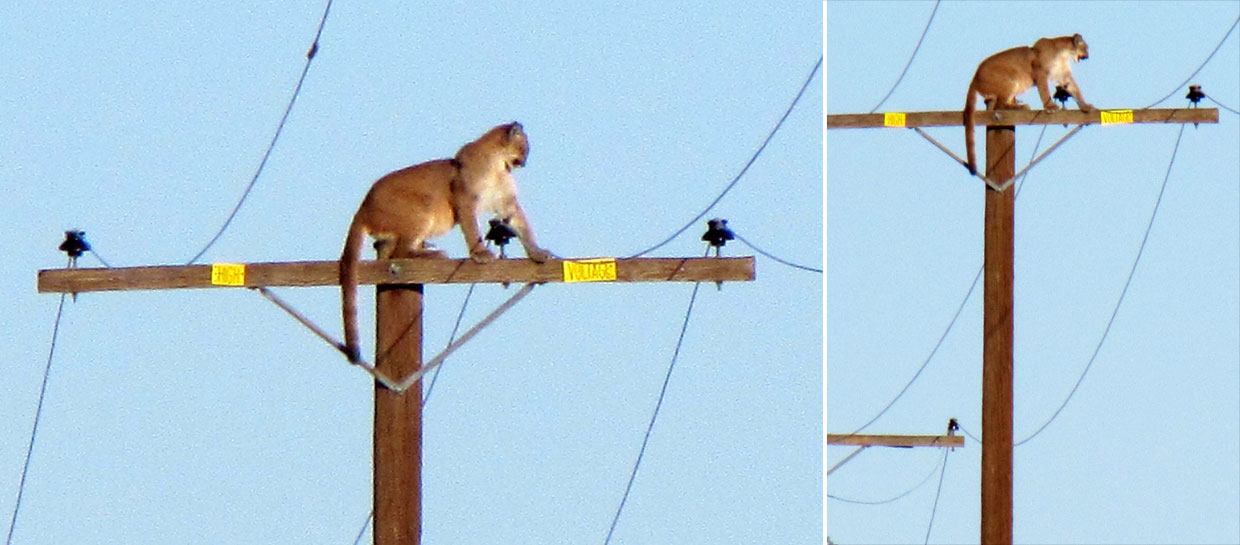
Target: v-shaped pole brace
pixel 405 383
pixel 995 186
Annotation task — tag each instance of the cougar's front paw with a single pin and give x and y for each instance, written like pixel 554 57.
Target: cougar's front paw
pixel 481 255
pixel 538 255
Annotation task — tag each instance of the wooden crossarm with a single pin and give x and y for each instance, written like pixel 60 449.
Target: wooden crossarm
pixel 953 441
pixel 952 118
pixel 395 271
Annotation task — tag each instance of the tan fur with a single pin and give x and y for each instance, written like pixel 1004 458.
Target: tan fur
pixel 406 208
pixel 1005 75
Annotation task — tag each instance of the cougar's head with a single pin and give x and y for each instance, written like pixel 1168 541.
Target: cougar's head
pixel 1082 48
pixel 516 144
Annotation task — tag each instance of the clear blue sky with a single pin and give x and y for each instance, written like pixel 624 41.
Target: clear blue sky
pixel 1148 449
pixel 209 416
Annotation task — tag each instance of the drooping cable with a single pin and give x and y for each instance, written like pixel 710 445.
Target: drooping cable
pixel 34 429
pixel 1221 105
pixel 894 498
pixel 745 169
pixel 1203 65
pixel 451 338
pixel 777 259
pixel 1115 311
pixel 653 417
pixel 910 59
pixel 314 48
pixel 936 495
pixel 951 323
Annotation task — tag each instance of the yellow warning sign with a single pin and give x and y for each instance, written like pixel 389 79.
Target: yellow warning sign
pixel 227 274
pixel 602 269
pixel 1116 117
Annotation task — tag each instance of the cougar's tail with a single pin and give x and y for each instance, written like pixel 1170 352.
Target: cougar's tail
pixel 348 289
pixel 969 107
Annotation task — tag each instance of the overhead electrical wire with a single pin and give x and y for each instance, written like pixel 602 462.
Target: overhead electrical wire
pixel 893 498
pixel 951 323
pixel 38 413
pixel 358 540
pixel 744 169
pixel 935 507
pixel 314 48
pixel 924 363
pixel 940 467
pixel 34 430
pixel 975 438
pixel 1223 106
pixel 684 326
pixel 100 258
pixel 1203 65
pixel 910 59
pixel 782 261
pixel 1115 311
pixel 451 337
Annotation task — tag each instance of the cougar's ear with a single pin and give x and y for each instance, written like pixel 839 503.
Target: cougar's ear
pixel 1077 39
pixel 515 130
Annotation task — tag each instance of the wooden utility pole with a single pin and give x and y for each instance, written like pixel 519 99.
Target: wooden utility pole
pixel 996 493
pixel 997 339
pixel 398 416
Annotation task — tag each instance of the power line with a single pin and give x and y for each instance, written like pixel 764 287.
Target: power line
pixel 1223 106
pixel 314 48
pixel 451 337
pixel 975 439
pixel 1123 292
pixel 745 169
pixel 1203 65
pixel 910 59
pixel 34 429
pixel 365 525
pixel 1114 311
pixel 933 351
pixel 788 263
pixel 889 500
pixel 936 495
pixel 658 405
pixel 950 324
pixel 100 258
